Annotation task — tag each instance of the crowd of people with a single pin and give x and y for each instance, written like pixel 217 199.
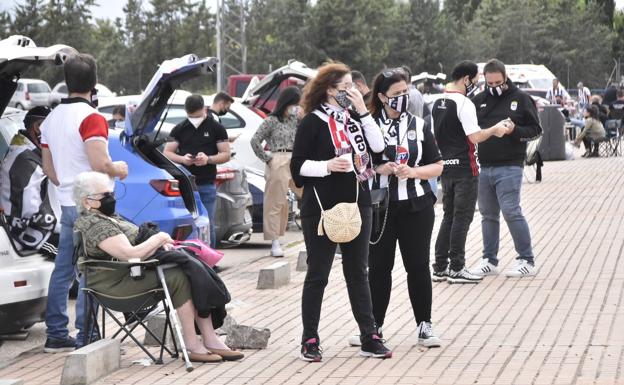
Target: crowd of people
pixel 364 162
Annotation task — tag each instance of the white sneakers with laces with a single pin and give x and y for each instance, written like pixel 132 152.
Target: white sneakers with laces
pixel 276 249
pixel 522 268
pixel 484 268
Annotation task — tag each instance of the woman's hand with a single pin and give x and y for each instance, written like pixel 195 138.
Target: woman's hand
pixel 338 165
pixel 388 168
pixel 404 171
pixel 164 238
pixel 357 100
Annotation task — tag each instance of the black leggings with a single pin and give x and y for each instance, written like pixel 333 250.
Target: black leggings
pixel 413 231
pixel 321 253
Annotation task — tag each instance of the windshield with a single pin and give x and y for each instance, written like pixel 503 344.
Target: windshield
pixel 38 88
pixel 541 83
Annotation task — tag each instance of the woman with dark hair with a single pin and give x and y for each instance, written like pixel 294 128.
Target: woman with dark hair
pixel 278 130
pixel 592 133
pixel 410 159
pixel 331 159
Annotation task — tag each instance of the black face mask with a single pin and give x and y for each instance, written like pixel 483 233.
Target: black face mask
pixel 107 204
pixel 221 113
pixel 470 88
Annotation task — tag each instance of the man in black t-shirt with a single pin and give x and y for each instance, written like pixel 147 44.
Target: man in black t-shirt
pixel 616 109
pixel 457 132
pixel 200 143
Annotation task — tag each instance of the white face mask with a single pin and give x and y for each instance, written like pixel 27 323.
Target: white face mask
pixel 120 124
pixel 196 121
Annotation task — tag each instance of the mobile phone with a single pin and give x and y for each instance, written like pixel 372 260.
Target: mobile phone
pixel 193 156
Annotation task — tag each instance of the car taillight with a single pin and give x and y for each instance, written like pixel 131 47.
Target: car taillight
pixel 27 96
pixel 182 232
pixel 224 174
pixel 167 187
pixel 20 283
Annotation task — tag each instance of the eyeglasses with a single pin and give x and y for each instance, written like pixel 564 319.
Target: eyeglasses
pixel 394 71
pixel 348 86
pixel 104 195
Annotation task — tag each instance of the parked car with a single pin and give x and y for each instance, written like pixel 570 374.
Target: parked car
pixel 60 91
pixel 30 93
pixel 233 211
pixel 24 275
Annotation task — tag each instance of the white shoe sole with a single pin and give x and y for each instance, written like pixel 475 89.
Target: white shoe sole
pixel 439 279
pixel 514 275
pixel 373 355
pixel 309 359
pixel 479 274
pixel 463 280
pixel 430 342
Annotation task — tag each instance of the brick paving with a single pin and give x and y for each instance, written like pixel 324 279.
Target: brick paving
pixel 563 326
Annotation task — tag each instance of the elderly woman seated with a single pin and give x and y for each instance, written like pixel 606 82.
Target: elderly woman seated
pixel 108 236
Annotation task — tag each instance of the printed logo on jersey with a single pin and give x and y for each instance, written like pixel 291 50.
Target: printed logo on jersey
pixel 402 155
pixel 514 105
pixel 411 135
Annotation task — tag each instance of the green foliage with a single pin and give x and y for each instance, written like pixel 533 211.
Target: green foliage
pixel 576 39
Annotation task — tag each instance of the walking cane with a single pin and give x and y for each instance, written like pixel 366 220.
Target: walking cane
pixel 173 317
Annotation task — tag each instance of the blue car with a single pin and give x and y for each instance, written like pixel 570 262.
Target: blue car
pixel 157 189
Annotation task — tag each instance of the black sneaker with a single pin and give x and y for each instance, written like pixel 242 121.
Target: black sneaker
pixel 372 346
pixel 440 276
pixel 53 345
pixel 311 351
pixel 356 341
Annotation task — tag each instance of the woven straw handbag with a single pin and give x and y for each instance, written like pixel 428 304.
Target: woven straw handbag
pixel 342 223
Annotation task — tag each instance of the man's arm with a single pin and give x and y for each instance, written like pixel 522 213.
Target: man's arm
pixel 531 127
pixel 48 165
pixel 170 152
pixel 485 134
pixel 222 156
pixel 100 160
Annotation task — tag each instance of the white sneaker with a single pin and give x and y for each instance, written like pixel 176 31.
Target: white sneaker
pixel 463 276
pixel 484 268
pixel 426 337
pixel 355 341
pixel 522 268
pixel 276 249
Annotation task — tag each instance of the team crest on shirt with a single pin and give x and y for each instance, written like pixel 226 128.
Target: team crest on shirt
pixel 411 135
pixel 206 134
pixel 514 105
pixel 402 155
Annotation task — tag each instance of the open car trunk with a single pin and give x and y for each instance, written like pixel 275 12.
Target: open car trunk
pixel 146 118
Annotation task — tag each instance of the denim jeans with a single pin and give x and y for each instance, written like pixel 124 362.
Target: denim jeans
pixel 499 190
pixel 61 281
pixel 208 196
pixel 459 199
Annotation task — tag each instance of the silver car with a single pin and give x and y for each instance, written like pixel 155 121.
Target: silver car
pixel 30 93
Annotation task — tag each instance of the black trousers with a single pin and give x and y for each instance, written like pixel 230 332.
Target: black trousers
pixel 458 201
pixel 321 253
pixel 587 142
pixel 413 231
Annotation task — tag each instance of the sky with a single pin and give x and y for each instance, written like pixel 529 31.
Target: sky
pixel 114 8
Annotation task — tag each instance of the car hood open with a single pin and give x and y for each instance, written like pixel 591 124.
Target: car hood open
pixel 18 53
pixel 153 101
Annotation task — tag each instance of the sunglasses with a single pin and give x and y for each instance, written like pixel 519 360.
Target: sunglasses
pixel 104 195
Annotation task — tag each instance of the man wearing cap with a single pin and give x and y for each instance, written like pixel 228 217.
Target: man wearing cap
pixel 26 196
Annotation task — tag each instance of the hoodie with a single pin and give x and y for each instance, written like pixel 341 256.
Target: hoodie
pixel 510 150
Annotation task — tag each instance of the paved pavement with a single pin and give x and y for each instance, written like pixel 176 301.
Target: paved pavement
pixel 563 326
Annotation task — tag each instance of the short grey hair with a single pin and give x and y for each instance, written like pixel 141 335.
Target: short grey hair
pixel 87 183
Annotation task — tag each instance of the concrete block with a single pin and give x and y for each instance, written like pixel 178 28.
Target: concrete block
pixel 157 324
pixel 92 362
pixel 302 261
pixel 274 276
pixel 11 381
pixel 248 337
pixel 228 323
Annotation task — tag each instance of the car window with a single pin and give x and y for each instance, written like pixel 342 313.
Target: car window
pixel 175 114
pixel 20 87
pixel 232 120
pixel 107 109
pixel 241 86
pixel 38 88
pixel 62 89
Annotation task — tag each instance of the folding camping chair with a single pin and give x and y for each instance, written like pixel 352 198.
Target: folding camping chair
pixel 135 306
pixel 610 145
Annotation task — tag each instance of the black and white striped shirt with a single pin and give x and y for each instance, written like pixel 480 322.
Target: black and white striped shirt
pixel 409 140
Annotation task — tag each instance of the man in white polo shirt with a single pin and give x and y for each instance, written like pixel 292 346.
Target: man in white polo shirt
pixel 74 139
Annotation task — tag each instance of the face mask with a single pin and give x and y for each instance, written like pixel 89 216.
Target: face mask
pixel 196 121
pixel 399 103
pixel 470 88
pixel 221 113
pixel 495 91
pixel 107 204
pixel 120 124
pixel 294 112
pixel 342 99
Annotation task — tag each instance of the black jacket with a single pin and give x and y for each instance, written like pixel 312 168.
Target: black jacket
pixel 510 150
pixel 208 290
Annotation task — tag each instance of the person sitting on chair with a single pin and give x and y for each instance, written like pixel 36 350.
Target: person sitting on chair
pixel 26 195
pixel 108 236
pixel 592 133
